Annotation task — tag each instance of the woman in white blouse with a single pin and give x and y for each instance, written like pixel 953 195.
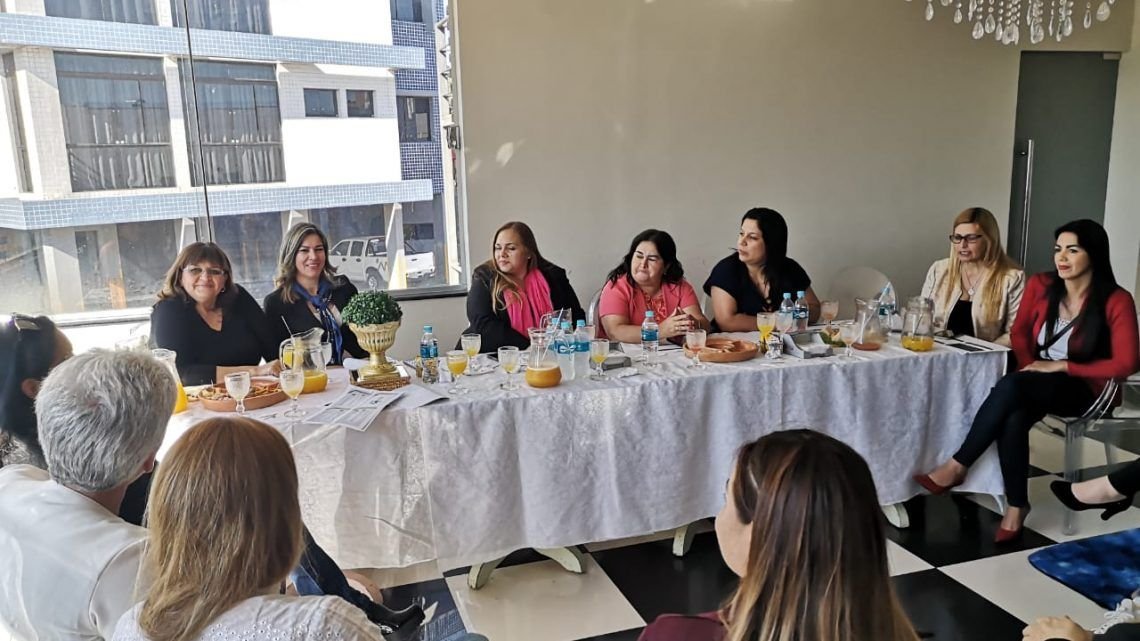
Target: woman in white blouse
pixel 225 530
pixel 977 290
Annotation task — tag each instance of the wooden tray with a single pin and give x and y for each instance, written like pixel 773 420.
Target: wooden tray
pixel 271 395
pixel 726 350
pixel 382 385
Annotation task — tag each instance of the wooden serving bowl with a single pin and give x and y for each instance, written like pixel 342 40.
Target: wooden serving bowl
pixel 263 392
pixel 726 350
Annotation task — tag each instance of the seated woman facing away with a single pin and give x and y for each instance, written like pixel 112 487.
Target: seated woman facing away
pixel 310 293
pixel 977 290
pixel 212 323
pixel 801 526
pixel 649 279
pixel 222 541
pixel 510 292
pixel 755 278
pixel 29 348
pixel 1075 330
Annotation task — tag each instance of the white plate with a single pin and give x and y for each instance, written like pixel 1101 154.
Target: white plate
pixel 480 365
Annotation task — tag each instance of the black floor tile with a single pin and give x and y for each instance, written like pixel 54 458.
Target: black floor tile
pixel 944 610
pixel 445 617
pixel 655 582
pixel 1034 472
pixel 518 557
pixel 624 635
pixel 953 529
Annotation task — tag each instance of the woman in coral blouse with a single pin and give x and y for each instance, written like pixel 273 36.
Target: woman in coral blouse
pixel 649 278
pixel 1075 331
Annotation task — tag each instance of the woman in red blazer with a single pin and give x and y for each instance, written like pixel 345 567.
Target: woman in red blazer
pixel 1075 331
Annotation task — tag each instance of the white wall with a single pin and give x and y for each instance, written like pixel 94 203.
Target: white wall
pixel 1122 209
pixel 347 20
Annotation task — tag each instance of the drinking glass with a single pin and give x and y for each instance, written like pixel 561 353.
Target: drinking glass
pixel 765 323
pixel 509 361
pixel 237 386
pixel 784 321
pixel 326 351
pixel 695 341
pixel 292 383
pixel 599 351
pixel 457 364
pixel 828 311
pixel 471 344
pixel 849 334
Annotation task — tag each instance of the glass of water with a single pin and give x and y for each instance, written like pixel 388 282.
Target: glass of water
pixel 237 386
pixel 293 383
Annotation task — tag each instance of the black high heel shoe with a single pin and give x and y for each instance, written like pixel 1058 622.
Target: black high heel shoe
pixel 1063 490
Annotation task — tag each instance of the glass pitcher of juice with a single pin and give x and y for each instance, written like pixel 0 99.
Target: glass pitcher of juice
pixel 918 325
pixel 304 352
pixel 167 357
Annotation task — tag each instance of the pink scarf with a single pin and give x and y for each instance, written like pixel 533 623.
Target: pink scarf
pixel 526 310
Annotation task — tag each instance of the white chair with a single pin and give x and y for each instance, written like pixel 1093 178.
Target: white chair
pixel 592 309
pixel 855 282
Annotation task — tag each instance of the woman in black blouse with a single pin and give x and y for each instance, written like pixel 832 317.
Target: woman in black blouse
pixel 510 293
pixel 310 293
pixel 213 324
pixel 756 277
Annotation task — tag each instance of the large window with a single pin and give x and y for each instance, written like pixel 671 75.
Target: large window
pixel 136 11
pixel 238 121
pixel 415 118
pixel 359 103
pixel 408 10
pixel 320 103
pixel 250 16
pixel 116 122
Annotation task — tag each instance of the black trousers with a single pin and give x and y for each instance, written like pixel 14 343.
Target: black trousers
pixel 1017 402
pixel 1126 480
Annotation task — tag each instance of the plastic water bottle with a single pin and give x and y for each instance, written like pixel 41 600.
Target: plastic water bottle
pixel 581 350
pixel 564 347
pixel 649 339
pixel 800 311
pixel 888 307
pixel 429 356
pixel 787 306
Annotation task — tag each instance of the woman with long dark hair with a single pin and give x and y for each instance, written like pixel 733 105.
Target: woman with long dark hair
pixel 31 347
pixel 512 291
pixel 755 278
pixel 649 278
pixel 802 529
pixel 1075 331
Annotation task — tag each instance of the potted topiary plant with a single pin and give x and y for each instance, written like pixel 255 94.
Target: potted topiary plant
pixel 374 317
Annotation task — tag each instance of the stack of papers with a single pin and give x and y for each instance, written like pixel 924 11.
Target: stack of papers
pixel 356 409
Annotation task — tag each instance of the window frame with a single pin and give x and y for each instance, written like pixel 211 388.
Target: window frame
pixel 371 93
pixel 320 91
pixel 404 118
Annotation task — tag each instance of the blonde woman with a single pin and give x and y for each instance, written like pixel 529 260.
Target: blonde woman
pixel 510 292
pixel 223 539
pixel 977 290
pixel 801 527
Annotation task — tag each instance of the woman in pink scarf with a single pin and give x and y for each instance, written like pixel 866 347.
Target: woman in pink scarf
pixel 510 293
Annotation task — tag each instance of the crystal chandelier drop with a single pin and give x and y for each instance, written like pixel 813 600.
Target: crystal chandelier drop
pixel 1004 19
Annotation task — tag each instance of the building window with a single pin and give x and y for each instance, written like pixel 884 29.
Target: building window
pixel 320 103
pixel 116 121
pixel 408 10
pixel 415 118
pixel 249 16
pixel 238 120
pixel 359 103
pixel 15 119
pixel 136 11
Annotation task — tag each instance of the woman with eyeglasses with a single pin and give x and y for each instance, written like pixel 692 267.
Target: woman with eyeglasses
pixel 977 290
pixel 211 322
pixel 649 278
pixel 310 293
pixel 1075 331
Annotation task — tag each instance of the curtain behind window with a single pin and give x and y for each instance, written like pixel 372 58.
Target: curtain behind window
pixel 136 11
pixel 249 16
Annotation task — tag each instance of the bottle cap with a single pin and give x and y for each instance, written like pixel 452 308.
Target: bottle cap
pixel 787 294
pixel 800 294
pixel 565 324
pixel 427 329
pixel 581 323
pixel 649 314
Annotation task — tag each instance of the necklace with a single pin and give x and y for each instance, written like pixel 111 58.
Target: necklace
pixel 969 282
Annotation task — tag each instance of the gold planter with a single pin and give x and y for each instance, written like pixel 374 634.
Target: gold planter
pixel 377 339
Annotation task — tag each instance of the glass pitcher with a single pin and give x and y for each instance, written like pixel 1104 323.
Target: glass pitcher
pixel 542 363
pixel 168 358
pixel 304 352
pixel 918 325
pixel 871 334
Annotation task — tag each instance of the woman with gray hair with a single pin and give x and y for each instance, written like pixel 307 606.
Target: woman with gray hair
pixel 310 293
pixel 72 570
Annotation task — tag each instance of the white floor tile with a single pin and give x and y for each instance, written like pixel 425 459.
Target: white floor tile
pixel 903 562
pixel 392 577
pixel 523 599
pixel 1048 514
pixel 1048 452
pixel 1011 583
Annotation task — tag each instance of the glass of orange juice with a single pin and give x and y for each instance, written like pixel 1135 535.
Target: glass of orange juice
pixel 765 323
pixel 457 364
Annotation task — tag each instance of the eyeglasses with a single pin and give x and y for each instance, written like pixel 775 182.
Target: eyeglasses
pixel 970 239
pixel 193 271
pixel 23 323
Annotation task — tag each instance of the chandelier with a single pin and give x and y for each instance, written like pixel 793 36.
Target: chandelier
pixel 1004 19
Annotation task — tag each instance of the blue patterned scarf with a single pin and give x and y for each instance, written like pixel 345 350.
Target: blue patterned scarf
pixel 320 302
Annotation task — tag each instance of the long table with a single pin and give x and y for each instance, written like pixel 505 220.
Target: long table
pixel 477 476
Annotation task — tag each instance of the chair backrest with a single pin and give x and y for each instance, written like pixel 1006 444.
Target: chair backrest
pixel 592 309
pixel 855 282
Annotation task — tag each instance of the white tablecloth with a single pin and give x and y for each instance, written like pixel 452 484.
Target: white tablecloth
pixel 476 477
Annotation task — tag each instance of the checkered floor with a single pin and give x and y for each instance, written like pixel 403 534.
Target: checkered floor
pixel 954 582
